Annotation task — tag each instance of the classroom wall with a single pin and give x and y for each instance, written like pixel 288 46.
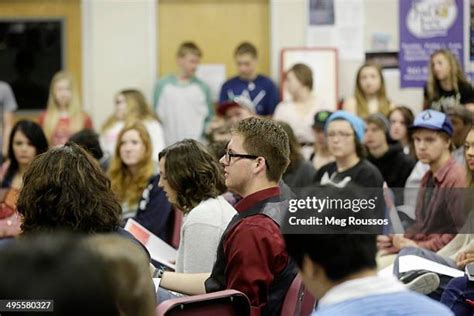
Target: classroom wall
pixel 380 16
pixel 119 51
pixel 119 45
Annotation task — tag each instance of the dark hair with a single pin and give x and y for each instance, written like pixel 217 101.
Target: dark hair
pixel 361 151
pixel 89 140
pixel 295 148
pixel 217 149
pixel 303 73
pixel 64 188
pixel 193 172
pixel 408 119
pixel 357 250
pixel 265 138
pixel 60 268
pixel 246 48
pixel 35 135
pixel 356 245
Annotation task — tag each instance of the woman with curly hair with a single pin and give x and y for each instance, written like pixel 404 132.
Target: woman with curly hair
pixel 135 183
pixel 193 181
pixel 447 85
pixel 65 189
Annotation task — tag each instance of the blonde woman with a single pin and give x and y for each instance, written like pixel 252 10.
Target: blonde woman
pixel 446 85
pixel 130 106
pixel 64 115
pixel 369 96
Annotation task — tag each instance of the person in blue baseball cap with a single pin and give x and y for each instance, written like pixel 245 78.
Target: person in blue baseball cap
pixel 439 212
pixel 345 134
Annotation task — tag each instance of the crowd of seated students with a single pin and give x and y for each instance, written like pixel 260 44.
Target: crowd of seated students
pixel 148 162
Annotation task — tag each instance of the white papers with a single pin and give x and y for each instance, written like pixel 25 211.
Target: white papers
pixel 214 76
pixel 346 34
pixel 411 262
pixel 159 250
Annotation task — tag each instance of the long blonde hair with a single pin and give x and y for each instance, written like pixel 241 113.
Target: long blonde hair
pixel 362 106
pixel 74 108
pixel 126 186
pixel 137 109
pixel 456 75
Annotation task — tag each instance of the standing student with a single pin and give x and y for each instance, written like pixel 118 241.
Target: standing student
pixel 193 181
pixel 299 112
pixel 345 134
pixel 64 115
pixel 255 89
pixel 369 96
pixel 182 101
pixel 7 107
pixel 251 256
pixel 130 106
pixel 446 85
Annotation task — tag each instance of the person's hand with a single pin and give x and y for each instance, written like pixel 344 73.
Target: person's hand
pixel 384 241
pixel 385 245
pixel 464 258
pixel 400 242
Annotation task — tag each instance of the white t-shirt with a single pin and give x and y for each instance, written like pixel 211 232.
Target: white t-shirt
pixel 300 123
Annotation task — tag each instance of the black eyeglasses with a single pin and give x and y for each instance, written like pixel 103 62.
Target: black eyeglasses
pixel 229 155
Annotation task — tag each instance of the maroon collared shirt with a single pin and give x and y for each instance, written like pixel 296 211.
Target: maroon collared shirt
pixel 255 252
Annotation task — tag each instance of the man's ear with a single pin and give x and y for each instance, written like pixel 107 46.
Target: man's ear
pixel 261 162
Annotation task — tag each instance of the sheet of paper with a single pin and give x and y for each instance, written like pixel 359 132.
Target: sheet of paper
pixel 346 33
pixel 159 250
pixel 411 262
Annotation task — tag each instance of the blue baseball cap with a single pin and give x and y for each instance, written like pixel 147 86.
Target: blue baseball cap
pixel 433 120
pixel 356 122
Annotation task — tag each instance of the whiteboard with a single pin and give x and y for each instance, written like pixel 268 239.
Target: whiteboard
pixel 324 64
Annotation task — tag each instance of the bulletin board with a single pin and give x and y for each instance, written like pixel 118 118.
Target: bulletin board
pixel 324 64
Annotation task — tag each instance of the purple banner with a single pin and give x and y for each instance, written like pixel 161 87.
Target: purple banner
pixel 425 26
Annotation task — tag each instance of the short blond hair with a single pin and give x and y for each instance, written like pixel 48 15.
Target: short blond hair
pixel 188 48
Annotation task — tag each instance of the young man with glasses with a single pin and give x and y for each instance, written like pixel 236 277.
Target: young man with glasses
pixel 251 256
pixel 345 134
